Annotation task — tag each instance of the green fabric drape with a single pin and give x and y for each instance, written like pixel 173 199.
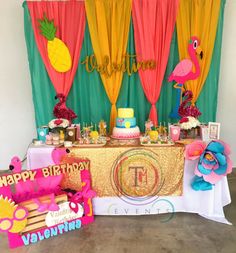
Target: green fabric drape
pixel 88 98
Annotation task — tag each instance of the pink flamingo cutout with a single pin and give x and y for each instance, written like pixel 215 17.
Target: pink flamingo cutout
pixel 87 192
pixel 21 187
pixel 46 185
pixel 51 182
pixel 183 71
pixel 43 186
pixel 58 153
pixel 75 200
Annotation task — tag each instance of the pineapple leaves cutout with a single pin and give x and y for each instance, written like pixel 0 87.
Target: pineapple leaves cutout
pixel 58 53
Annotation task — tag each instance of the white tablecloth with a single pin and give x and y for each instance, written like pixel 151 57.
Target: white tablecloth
pixel 208 204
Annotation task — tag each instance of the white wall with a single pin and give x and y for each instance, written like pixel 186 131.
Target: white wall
pixel 17 126
pixel 226 113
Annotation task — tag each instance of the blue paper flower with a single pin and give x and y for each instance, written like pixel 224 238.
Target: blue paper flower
pixel 214 162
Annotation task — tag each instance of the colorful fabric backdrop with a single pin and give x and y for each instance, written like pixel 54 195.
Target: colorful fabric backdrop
pixel 88 97
pixel 109 29
pixel 154 23
pixel 69 18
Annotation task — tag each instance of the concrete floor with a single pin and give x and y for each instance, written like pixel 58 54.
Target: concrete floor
pixel 185 233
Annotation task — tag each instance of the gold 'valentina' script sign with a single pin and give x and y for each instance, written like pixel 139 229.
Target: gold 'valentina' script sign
pixel 129 64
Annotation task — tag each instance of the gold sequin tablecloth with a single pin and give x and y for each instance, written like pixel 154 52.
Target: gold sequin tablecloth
pixel 132 171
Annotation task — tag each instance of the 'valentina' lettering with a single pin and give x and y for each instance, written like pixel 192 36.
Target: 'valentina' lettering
pixel 128 64
pixel 50 232
pixel 26 239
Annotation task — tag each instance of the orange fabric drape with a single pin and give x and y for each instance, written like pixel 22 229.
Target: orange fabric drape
pixel 198 18
pixel 69 18
pixel 154 22
pixel 109 22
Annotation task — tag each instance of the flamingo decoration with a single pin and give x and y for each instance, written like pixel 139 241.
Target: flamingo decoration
pixel 51 182
pixel 44 185
pixel 21 187
pixel 87 192
pixel 49 185
pixel 183 71
pixel 85 195
pixel 61 110
pixel 78 197
pixel 75 199
pixel 186 109
pixel 58 153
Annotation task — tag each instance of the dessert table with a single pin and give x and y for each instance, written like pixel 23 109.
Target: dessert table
pixel 141 180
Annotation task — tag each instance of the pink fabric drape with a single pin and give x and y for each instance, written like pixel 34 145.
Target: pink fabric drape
pixel 154 22
pixel 69 17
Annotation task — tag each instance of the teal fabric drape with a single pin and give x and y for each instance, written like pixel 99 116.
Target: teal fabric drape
pixel 88 98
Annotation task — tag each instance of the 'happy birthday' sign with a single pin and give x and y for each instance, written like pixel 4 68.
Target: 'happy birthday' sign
pixel 34 205
pixel 53 170
pixel 56 170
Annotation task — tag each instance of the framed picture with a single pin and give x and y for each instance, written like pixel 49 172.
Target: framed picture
pixel 204 130
pixel 214 130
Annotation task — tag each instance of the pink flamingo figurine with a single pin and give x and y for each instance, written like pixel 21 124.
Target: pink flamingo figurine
pixel 21 187
pixel 183 71
pixel 61 110
pixel 186 109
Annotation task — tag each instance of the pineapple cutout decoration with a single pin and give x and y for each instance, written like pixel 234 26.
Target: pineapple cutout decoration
pixel 58 53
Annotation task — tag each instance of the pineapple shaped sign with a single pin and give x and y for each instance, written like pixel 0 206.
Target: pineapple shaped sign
pixel 58 53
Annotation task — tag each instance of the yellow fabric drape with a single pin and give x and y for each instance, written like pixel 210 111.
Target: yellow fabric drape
pixel 109 22
pixel 198 18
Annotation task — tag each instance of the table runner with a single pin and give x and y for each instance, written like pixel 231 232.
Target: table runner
pixel 132 171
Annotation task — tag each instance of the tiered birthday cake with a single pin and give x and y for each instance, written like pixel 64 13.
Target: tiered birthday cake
pixel 126 125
